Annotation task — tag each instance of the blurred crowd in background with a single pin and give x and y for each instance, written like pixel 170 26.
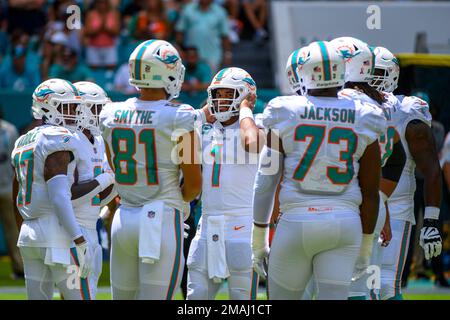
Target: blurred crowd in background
pixel 40 39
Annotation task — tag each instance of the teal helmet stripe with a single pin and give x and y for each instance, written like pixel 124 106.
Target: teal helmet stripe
pixel 326 65
pixel 138 62
pixel 294 64
pixel 372 72
pixel 221 74
pixel 73 88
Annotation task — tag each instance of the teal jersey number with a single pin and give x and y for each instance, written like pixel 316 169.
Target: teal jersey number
pixel 24 164
pixel 316 133
pixel 124 148
pixel 387 140
pixel 215 177
pixel 96 199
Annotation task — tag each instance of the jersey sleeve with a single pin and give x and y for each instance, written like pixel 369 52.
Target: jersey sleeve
pixel 185 117
pixel 57 139
pixel 275 113
pixel 259 120
pixel 106 118
pixel 372 123
pixel 417 109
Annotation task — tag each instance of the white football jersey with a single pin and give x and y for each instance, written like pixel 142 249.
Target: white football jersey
pixel 228 171
pixel 28 158
pixel 389 108
pixel 323 138
pixel 91 162
pixel 401 202
pixel 142 136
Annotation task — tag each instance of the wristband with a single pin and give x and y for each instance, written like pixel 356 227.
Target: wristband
pixel 245 113
pixel 431 213
pixel 366 245
pixel 105 180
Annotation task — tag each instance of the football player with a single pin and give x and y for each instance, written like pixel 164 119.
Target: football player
pixel 360 60
pixel 90 163
pixel 151 142
pixel 327 150
pixel 221 248
pixel 413 123
pixel 50 239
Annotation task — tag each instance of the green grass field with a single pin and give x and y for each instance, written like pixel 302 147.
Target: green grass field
pixel 8 288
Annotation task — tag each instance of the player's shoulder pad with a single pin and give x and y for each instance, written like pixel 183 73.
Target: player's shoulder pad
pixel 185 117
pixel 280 109
pixel 352 94
pixel 57 139
pixel 372 118
pixel 417 109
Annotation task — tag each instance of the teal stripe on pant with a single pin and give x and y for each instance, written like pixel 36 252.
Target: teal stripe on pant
pixel 176 264
pixel 85 293
pixel 401 260
pixel 254 288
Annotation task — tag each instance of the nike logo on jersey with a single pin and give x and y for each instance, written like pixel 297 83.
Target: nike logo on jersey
pixel 238 228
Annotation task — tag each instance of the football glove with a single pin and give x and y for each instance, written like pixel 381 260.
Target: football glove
pixel 430 239
pixel 363 260
pixel 85 259
pixel 186 230
pixel 260 250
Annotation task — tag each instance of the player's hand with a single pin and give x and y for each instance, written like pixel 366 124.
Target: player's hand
pixel 362 262
pixel 430 239
pixel 249 101
pixel 105 180
pixel 209 117
pixel 386 234
pixel 186 230
pixel 85 259
pixel 260 250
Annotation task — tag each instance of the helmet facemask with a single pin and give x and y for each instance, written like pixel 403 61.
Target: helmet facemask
pixel 63 114
pixel 89 117
pixel 384 80
pixel 224 105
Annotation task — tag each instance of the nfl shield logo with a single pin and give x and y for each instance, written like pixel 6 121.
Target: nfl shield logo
pixel 151 214
pixel 215 237
pixel 95 150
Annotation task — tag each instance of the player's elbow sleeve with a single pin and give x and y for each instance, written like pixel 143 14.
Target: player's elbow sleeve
pixel 59 195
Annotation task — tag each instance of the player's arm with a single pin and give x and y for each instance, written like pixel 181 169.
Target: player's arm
pixel 15 192
pixel 391 174
pixel 55 174
pixel 266 183
pixel 369 182
pixel 252 137
pixel 84 191
pixel 190 166
pixel 422 147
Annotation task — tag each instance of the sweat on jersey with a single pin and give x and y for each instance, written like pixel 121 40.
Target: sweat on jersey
pixel 323 139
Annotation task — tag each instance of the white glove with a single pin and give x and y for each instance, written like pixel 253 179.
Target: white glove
pixel 105 180
pixel 85 259
pixel 260 250
pixel 186 230
pixel 430 239
pixel 363 260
